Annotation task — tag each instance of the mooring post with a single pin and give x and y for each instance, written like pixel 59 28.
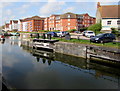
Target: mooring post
pixel 119 83
pixel 86 52
pixel 28 43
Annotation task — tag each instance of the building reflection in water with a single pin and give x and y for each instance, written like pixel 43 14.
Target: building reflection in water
pixel 2 41
pixel 97 70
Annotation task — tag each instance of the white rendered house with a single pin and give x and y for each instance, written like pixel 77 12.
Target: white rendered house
pixel 108 16
pixel 13 25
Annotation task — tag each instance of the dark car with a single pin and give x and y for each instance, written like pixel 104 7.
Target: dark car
pixel 103 38
pixel 53 34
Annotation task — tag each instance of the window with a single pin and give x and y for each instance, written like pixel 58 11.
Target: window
pixel 68 19
pixel 57 18
pixel 68 28
pixel 68 23
pixel 68 16
pixel 108 22
pixel 79 21
pixel 118 22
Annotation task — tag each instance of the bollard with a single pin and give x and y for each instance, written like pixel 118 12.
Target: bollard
pixel 44 37
pixel 78 37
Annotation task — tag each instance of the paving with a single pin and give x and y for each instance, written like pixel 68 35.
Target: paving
pixel 80 36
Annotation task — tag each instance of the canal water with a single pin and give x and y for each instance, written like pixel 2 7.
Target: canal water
pixel 25 68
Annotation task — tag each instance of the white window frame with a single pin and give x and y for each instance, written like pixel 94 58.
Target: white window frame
pixel 68 28
pixel 68 23
pixel 68 19
pixel 68 16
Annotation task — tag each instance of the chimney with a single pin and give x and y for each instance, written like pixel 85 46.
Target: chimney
pixel 98 5
pixel 10 21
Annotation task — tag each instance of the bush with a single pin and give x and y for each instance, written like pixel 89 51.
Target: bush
pixel 72 30
pixel 83 29
pixel 56 30
pixel 114 31
pixel 96 27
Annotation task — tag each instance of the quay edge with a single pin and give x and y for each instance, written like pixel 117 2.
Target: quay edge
pixel 80 50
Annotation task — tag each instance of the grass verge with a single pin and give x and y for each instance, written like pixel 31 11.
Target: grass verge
pixel 81 41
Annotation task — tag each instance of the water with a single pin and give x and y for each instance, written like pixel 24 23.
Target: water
pixel 24 68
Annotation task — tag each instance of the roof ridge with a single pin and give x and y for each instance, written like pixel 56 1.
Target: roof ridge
pixel 109 5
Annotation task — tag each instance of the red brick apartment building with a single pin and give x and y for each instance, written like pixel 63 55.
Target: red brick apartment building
pixel 68 21
pixel 31 24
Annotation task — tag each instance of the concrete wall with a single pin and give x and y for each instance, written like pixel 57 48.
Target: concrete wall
pixel 71 49
pixel 79 50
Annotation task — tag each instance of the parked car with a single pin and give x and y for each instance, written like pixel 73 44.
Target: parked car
pixel 62 33
pixel 88 33
pixel 53 34
pixel 103 38
pixel 2 37
pixel 77 32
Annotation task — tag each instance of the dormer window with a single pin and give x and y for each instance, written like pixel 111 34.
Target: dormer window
pixel 68 16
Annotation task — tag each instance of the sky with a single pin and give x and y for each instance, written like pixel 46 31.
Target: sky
pixel 19 9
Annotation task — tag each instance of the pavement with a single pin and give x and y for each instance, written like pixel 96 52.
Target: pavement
pixel 80 36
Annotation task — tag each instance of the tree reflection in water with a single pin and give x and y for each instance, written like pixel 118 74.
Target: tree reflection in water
pixel 2 41
pixel 37 59
pixel 94 68
pixel 82 65
pixel 61 62
pixel 43 60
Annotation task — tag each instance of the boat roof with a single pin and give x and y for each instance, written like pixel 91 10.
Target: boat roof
pixel 45 40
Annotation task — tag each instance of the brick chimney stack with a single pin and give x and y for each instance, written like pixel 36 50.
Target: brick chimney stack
pixel 98 5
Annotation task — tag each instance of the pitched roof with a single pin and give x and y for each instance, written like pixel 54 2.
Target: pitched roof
pixel 109 11
pixel 33 18
pixel 7 25
pixel 55 15
pixel 15 21
pixel 73 15
pixel 66 15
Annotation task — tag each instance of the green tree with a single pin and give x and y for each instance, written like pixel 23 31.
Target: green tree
pixel 83 29
pixel 72 30
pixel 96 27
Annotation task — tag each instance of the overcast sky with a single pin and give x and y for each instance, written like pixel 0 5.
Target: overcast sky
pixel 19 9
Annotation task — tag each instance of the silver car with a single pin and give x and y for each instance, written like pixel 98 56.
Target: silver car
pixel 62 33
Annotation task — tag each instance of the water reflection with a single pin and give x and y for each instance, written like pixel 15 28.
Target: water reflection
pixel 28 68
pixel 2 41
pixel 90 67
